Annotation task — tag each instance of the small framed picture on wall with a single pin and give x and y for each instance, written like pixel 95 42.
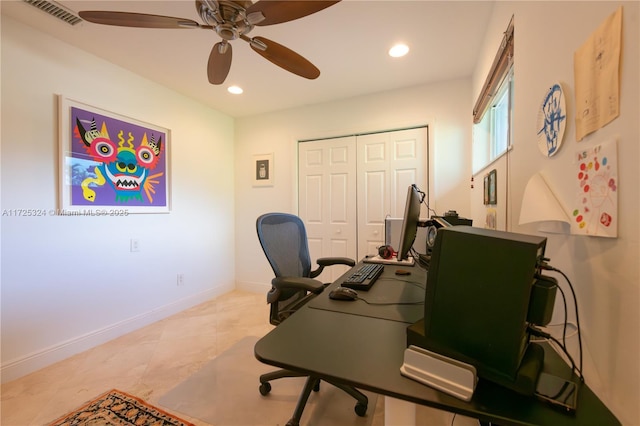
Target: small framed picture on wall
pixel 263 170
pixel 493 187
pixel 486 189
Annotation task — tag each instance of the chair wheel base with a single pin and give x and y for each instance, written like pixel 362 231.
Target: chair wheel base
pixel 360 409
pixel 265 388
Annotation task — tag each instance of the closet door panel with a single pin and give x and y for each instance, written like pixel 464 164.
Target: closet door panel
pixel 327 204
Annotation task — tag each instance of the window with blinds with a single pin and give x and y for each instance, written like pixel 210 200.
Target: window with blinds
pixel 492 113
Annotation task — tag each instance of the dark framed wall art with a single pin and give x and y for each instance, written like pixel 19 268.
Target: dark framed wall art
pixel 493 187
pixel 263 170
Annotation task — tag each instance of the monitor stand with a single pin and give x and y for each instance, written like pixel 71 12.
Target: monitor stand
pixel 392 261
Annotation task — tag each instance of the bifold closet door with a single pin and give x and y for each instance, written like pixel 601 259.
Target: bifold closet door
pixel 388 163
pixel 347 186
pixel 327 199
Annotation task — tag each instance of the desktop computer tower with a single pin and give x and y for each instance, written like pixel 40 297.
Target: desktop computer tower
pixel 476 303
pixel 392 230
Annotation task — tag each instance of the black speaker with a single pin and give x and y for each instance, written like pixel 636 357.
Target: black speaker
pixel 477 300
pixel 450 218
pixel 543 297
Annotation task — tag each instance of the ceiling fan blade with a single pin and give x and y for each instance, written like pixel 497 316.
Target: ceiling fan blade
pixel 138 20
pixel 278 11
pixel 286 58
pixel 219 62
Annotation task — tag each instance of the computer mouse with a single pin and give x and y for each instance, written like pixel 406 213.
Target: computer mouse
pixel 343 293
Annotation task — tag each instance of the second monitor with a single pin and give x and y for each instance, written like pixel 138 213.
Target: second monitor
pixel 410 222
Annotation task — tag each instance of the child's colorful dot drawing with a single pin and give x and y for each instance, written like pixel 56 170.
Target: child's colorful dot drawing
pixel 597 201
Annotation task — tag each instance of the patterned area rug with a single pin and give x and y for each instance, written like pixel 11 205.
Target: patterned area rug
pixel 117 408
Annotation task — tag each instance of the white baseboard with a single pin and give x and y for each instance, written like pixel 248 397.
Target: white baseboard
pixel 22 366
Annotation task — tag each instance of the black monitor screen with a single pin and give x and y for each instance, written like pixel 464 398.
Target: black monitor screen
pixel 409 222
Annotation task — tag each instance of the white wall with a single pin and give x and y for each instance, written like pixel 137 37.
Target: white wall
pixel 69 283
pixel 605 272
pixel 445 107
pixel 58 297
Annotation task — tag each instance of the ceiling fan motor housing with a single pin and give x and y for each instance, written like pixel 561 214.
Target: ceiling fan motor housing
pixel 228 18
pixel 227 31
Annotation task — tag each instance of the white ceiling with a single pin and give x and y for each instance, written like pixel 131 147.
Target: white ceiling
pixel 348 42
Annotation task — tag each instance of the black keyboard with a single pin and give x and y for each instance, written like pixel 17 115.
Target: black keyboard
pixel 364 277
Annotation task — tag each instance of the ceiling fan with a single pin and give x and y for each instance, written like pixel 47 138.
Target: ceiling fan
pixel 231 20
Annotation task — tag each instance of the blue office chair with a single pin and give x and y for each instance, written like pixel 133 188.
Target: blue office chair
pixel 284 241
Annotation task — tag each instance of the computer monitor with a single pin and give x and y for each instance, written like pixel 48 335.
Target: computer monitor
pixel 477 301
pixel 409 222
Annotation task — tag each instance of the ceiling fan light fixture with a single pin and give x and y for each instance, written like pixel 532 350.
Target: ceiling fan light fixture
pixel 227 31
pixel 235 90
pixel 398 50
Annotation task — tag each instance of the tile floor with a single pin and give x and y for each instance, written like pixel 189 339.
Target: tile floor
pixel 149 362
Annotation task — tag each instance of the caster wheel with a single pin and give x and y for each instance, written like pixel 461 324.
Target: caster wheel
pixel 292 423
pixel 361 409
pixel 265 388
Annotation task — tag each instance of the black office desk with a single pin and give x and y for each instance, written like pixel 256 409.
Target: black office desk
pixel 367 352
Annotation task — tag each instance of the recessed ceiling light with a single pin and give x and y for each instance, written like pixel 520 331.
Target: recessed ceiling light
pixel 399 50
pixel 236 90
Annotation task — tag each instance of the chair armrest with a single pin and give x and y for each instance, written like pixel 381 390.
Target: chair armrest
pixel 328 261
pixel 286 286
pixel 298 283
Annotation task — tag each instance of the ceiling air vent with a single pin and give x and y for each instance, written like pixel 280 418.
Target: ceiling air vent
pixel 55 10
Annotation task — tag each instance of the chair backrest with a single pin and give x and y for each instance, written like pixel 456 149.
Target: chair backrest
pixel 284 241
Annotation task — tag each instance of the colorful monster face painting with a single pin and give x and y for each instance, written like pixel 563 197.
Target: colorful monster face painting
pixel 116 162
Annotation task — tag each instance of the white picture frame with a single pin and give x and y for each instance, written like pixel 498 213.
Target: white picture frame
pixel 127 171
